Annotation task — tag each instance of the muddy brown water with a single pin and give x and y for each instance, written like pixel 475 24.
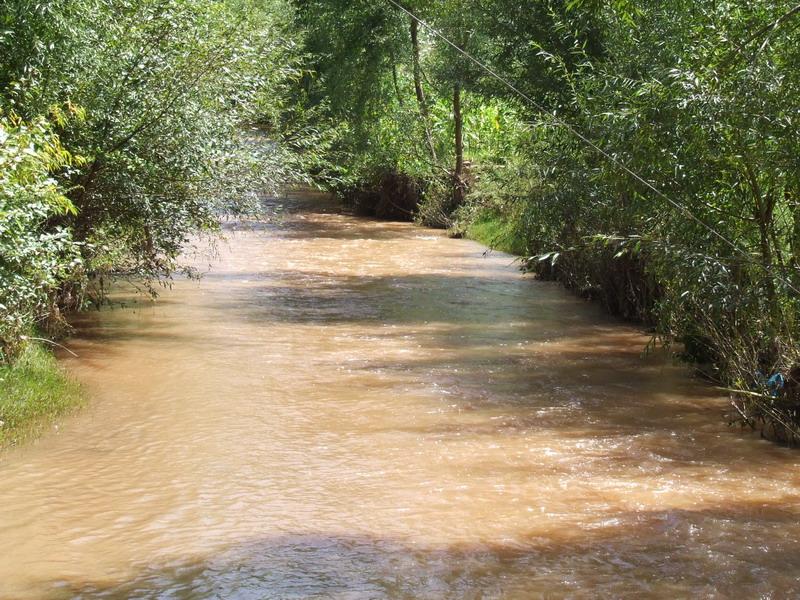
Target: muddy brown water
pixel 343 408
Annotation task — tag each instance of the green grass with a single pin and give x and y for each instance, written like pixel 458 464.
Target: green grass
pixel 33 392
pixel 496 233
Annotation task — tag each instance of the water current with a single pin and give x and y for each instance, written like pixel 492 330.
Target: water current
pixel 343 408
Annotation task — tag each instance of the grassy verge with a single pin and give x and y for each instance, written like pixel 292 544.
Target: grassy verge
pixel 496 233
pixel 33 391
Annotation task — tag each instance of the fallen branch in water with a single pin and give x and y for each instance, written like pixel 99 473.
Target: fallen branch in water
pixel 38 339
pixel 746 392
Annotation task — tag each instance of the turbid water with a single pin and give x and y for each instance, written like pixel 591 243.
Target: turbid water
pixel 342 408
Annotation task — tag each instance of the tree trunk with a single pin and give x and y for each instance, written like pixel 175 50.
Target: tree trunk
pixel 458 175
pixel 796 229
pixel 396 84
pixel 422 102
pixel 763 213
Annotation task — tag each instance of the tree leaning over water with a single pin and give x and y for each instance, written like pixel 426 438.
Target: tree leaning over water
pixel 147 119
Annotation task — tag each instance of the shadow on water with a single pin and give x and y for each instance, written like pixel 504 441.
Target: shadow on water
pixel 651 554
pixel 477 334
pixel 331 298
pixel 355 229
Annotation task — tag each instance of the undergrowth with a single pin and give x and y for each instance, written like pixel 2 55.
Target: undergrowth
pixel 34 390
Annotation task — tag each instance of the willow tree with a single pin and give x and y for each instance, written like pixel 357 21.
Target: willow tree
pixel 159 103
pixel 376 60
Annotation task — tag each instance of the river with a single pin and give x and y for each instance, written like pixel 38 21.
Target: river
pixel 342 408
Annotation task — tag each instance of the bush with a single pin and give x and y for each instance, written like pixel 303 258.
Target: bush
pixel 36 259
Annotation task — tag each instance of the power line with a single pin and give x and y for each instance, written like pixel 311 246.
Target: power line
pixel 555 119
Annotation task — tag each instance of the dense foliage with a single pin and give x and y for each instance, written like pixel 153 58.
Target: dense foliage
pixel 35 260
pixel 697 99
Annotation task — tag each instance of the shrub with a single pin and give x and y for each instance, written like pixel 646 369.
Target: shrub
pixel 36 259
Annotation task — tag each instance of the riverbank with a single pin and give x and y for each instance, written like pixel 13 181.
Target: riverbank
pixel 495 233
pixel 34 391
